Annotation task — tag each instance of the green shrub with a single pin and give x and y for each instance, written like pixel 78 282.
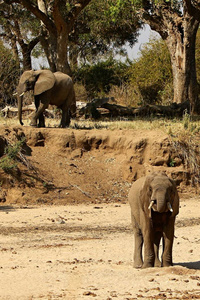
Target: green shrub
pixel 151 75
pixel 100 77
pixel 10 159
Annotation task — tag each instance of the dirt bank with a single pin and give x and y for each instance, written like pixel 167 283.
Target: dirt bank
pixel 74 166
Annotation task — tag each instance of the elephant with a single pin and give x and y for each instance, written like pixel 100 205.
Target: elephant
pixel 48 88
pixel 154 203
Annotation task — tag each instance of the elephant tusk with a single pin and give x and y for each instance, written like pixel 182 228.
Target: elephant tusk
pixel 169 206
pixel 22 94
pixel 151 204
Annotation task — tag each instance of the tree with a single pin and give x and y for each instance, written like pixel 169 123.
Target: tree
pixel 98 33
pixel 79 28
pixel 18 26
pixel 198 58
pixel 177 22
pixel 9 72
pixel 57 20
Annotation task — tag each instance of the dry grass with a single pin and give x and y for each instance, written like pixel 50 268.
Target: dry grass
pixel 173 127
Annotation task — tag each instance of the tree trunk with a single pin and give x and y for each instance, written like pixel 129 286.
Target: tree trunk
pixel 179 29
pixel 49 45
pixel 62 53
pixel 181 45
pixel 48 41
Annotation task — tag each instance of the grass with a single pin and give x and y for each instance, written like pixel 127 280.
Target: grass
pixel 169 126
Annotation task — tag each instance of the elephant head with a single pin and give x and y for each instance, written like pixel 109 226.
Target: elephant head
pixel 38 81
pixel 159 194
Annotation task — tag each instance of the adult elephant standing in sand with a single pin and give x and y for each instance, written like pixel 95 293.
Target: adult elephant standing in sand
pixel 48 88
pixel 154 205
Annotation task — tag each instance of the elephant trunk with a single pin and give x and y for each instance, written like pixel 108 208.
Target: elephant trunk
pixel 20 102
pixel 161 204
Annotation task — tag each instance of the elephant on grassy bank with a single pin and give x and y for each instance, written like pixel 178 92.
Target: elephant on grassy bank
pixel 48 88
pixel 154 203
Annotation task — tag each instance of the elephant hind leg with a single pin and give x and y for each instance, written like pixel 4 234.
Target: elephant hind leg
pixel 157 238
pixel 41 121
pixel 65 120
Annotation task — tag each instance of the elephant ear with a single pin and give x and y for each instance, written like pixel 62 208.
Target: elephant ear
pixel 145 193
pixel 45 81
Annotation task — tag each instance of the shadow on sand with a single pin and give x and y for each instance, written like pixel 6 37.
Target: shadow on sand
pixel 7 208
pixel 195 265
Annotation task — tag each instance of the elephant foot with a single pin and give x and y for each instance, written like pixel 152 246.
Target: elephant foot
pixel 33 123
pixel 137 266
pixel 167 264
pixel 157 264
pixel 41 125
pixel 147 265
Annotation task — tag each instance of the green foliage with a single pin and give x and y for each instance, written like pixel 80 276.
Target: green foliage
pixel 151 75
pixel 9 74
pixel 172 163
pixel 104 28
pixel 9 161
pixel 100 77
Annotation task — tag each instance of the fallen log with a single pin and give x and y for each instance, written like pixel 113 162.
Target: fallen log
pixel 114 110
pixel 173 110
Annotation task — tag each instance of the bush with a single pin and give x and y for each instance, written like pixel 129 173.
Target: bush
pixel 100 77
pixel 151 75
pixel 9 161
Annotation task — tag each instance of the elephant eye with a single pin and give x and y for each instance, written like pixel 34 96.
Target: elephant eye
pixel 150 189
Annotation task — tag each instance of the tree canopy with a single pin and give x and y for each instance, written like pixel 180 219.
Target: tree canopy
pixel 71 29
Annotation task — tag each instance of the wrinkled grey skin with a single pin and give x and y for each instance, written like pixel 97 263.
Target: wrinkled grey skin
pixel 48 88
pixel 154 205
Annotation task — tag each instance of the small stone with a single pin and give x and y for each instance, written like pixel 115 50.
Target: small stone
pixel 88 293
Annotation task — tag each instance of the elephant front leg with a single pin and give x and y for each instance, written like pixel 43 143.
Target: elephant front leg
pixel 168 243
pixel 138 263
pixel 149 254
pixel 137 258
pixel 40 108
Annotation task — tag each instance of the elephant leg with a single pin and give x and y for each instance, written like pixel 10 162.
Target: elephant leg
pixel 65 120
pixel 149 254
pixel 168 235
pixel 157 239
pixel 138 262
pixel 38 115
pixel 41 120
